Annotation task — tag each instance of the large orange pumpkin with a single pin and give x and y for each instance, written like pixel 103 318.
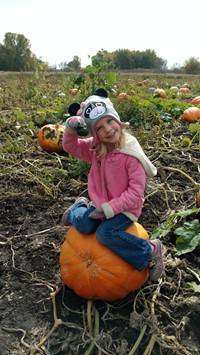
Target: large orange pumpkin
pixel 196 100
pixel 191 114
pixel 94 271
pixel 50 137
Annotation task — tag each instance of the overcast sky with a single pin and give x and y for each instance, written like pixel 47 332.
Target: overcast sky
pixel 61 29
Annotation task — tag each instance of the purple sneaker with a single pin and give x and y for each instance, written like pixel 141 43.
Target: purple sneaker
pixel 65 221
pixel 156 265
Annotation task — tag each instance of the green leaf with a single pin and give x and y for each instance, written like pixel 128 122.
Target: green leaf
pixel 194 127
pixel 19 114
pixel 186 142
pixel 162 230
pixel 189 237
pixel 194 286
pixel 186 213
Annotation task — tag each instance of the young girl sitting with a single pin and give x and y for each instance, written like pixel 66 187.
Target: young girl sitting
pixel 116 182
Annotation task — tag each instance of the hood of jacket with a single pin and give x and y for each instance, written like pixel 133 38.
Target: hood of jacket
pixel 132 147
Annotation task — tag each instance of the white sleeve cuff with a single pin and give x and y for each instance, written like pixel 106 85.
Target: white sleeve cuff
pixel 108 211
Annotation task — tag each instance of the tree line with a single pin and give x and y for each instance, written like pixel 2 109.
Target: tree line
pixel 16 55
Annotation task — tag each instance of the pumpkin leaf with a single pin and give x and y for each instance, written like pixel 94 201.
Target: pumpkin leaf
pixel 194 127
pixel 194 286
pixel 162 230
pixel 19 114
pixel 170 226
pixel 186 142
pixel 189 237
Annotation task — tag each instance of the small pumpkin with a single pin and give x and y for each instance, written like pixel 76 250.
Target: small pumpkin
pixel 94 271
pixel 184 90
pixel 173 88
pixel 196 100
pixel 50 137
pixel 191 114
pixel 160 93
pixel 73 91
pixel 122 96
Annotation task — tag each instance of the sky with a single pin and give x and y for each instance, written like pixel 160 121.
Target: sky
pixel 58 30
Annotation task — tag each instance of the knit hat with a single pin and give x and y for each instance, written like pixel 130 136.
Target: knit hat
pixel 94 108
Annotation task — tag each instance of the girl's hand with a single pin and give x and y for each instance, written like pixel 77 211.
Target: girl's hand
pixel 98 213
pixel 76 123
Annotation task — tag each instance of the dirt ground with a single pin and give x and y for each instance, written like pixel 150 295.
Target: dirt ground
pixel 39 315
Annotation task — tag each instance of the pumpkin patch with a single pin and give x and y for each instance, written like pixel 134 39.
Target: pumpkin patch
pixel 40 312
pixel 94 271
pixel 50 138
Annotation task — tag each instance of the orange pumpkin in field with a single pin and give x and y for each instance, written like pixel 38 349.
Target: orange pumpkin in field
pixel 196 100
pixel 122 96
pixel 94 271
pixel 73 91
pixel 191 114
pixel 184 90
pixel 50 137
pixel 160 93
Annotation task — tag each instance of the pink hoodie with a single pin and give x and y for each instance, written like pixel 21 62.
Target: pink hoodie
pixel 116 181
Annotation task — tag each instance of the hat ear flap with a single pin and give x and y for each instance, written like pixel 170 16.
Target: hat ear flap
pixel 73 108
pixel 101 92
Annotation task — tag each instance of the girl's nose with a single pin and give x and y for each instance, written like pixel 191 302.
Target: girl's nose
pixel 107 128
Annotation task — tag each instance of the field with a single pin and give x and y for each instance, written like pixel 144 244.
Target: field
pixel 39 315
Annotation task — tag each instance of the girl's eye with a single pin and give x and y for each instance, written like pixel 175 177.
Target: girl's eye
pixel 98 128
pixel 109 120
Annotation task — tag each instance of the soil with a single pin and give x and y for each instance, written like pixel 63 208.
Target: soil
pixel 40 315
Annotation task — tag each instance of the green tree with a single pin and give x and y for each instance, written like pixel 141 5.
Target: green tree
pixel 123 59
pixel 103 59
pixel 75 64
pixel 16 55
pixel 192 66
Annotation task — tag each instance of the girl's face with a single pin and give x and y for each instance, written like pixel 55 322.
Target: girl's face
pixel 108 131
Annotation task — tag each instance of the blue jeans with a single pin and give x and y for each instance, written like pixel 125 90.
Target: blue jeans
pixel 111 233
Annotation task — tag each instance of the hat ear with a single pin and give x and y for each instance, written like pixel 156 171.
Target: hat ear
pixel 101 92
pixel 73 108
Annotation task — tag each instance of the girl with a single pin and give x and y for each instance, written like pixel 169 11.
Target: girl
pixel 116 182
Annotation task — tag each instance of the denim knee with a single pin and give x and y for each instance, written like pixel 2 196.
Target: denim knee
pixel 85 228
pixel 103 235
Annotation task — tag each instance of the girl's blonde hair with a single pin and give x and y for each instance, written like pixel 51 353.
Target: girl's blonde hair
pixel 102 149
